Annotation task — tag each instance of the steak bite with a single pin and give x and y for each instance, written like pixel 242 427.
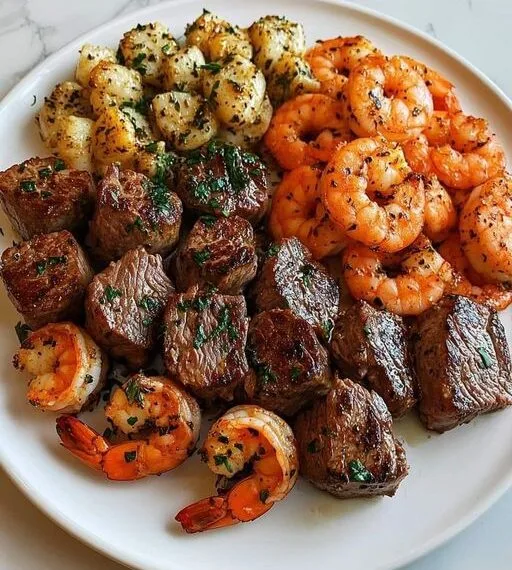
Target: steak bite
pixel 371 346
pixel 41 195
pixel 347 446
pixel 291 279
pixel 124 305
pixel 289 366
pixel 204 342
pixel 220 251
pixel 132 211
pixel 222 179
pixel 462 362
pixel 46 278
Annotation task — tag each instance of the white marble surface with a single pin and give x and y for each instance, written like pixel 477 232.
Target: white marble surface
pixel 32 29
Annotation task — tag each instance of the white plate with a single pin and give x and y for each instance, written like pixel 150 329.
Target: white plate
pixel 453 477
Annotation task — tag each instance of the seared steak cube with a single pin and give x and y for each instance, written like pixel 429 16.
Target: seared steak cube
pixel 291 279
pixel 46 278
pixel 124 306
pixel 371 346
pixel 462 362
pixel 41 195
pixel 289 366
pixel 132 211
pixel 347 446
pixel 204 342
pixel 222 179
pixel 220 251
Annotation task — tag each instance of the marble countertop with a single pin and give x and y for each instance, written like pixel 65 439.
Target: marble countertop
pixel 30 30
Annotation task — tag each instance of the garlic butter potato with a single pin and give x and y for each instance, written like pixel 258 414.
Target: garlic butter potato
pixel 74 143
pixel 67 98
pixel 184 119
pixel 235 88
pixel 148 158
pixel 114 138
pixel 145 47
pixel 250 134
pixel 89 57
pixel 113 84
pixel 182 70
pixel 291 76
pixel 274 36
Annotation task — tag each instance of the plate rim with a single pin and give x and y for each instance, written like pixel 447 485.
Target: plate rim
pixel 95 541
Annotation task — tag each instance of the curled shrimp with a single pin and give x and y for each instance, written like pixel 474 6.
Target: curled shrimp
pixel 486 229
pixel 332 60
pixel 167 418
pixel 459 149
pixel 297 211
pixel 406 283
pixel 442 90
pixel 370 193
pixel 385 96
pixel 67 366
pixel 246 439
pixel 440 211
pixel 307 130
pixel 468 282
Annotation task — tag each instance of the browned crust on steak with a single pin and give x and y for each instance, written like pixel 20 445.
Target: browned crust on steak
pixel 289 366
pixel 46 278
pixel 348 426
pixel 41 196
pixel 462 362
pixel 371 346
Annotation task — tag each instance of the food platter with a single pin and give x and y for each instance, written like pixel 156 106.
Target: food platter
pixel 454 477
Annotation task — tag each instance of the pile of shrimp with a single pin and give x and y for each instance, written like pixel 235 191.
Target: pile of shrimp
pixel 384 167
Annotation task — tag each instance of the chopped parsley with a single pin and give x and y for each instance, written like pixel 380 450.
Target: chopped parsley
pixel 152 147
pixel 45 172
pixel 265 374
pixel 130 456
pixel 88 379
pixel 234 167
pixel 201 256
pixel 358 472
pixel 137 223
pixel 138 65
pixel 208 221
pixel 200 337
pixel 222 459
pixel 132 420
pixel 149 304
pixel 272 250
pixel 59 165
pixel 306 272
pixel 213 66
pixel 367 330
pixel 22 331
pixel 484 355
pixel 167 49
pixel 295 372
pixel 224 324
pixel 44 264
pixel 327 327
pixel 134 393
pixel 28 186
pixel 264 494
pixel 110 293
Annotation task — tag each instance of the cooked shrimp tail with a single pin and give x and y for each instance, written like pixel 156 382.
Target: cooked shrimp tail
pixel 245 438
pixel 167 417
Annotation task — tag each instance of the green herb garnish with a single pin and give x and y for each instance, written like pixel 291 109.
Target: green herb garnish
pixel 486 358
pixel 201 256
pixel 134 393
pixel 59 165
pixel 130 456
pixel 213 66
pixel 22 331
pixel 110 293
pixel 306 272
pixel 88 379
pixel 264 494
pixel 222 459
pixel 28 186
pixel 358 472
pixel 132 420
pixel 137 63
pixel 208 221
pixel 45 172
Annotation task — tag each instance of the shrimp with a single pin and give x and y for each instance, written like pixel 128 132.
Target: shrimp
pixel 297 211
pixel 67 366
pixel 165 415
pixel 307 130
pixel 486 229
pixel 406 283
pixel 332 60
pixel 440 212
pixel 442 90
pixel 255 453
pixel 470 283
pixel 370 193
pixel 385 96
pixel 459 149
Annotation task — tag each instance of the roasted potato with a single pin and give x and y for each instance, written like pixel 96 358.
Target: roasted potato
pixel 113 84
pixel 291 76
pixel 148 158
pixel 249 135
pixel 272 37
pixel 74 144
pixel 235 88
pixel 89 57
pixel 184 119
pixel 114 138
pixel 145 47
pixel 67 98
pixel 182 70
